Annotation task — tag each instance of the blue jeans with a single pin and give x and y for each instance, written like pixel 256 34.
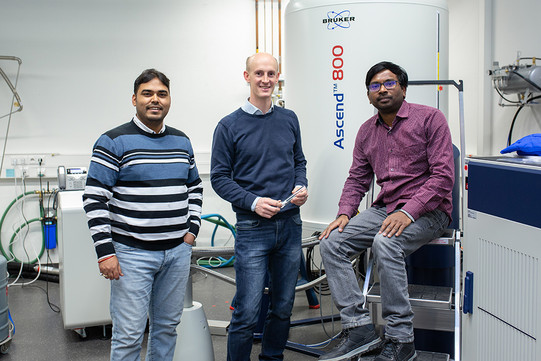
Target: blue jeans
pixel 360 233
pixel 153 286
pixel 264 246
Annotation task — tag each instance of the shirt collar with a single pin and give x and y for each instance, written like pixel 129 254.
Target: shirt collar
pixel 402 113
pixel 252 109
pixel 145 128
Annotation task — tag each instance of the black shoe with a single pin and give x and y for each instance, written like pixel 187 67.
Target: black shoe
pixel 355 341
pixel 394 351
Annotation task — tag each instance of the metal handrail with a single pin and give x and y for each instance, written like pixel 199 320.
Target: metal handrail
pixel 10 85
pixel 460 88
pixel 229 251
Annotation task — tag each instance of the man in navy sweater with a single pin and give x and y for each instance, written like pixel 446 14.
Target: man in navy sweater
pixel 143 200
pixel 257 163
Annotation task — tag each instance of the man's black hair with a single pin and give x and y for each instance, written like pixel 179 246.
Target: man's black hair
pixel 148 75
pixel 387 65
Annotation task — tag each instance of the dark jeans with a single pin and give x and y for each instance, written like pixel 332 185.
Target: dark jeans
pixel 264 246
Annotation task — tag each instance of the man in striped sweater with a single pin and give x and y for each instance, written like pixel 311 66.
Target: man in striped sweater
pixel 143 200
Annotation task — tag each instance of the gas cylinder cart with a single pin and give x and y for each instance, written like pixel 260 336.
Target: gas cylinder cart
pixel 7 328
pixel 6 343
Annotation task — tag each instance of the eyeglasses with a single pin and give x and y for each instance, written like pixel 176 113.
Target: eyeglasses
pixel 389 84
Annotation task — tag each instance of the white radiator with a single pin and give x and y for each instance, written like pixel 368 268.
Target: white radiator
pixel 508 295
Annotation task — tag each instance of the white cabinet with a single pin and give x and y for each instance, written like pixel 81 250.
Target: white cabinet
pixel 84 294
pixel 502 249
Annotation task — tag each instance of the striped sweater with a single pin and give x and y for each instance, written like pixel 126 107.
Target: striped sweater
pixel 142 190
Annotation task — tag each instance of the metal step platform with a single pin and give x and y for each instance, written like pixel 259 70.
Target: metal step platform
pixel 421 356
pixel 432 306
pixel 420 296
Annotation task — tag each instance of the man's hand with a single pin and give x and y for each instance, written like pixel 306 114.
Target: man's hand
pixel 339 222
pixel 395 224
pixel 110 268
pixel 189 238
pixel 267 207
pixel 301 197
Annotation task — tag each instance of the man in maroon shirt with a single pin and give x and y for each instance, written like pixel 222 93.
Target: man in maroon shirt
pixel 408 147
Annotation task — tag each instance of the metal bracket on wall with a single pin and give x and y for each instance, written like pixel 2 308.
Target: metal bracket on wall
pixel 12 87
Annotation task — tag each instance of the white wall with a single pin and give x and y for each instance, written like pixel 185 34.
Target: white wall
pixel 80 59
pixel 515 28
pixel 467 57
pixel 483 31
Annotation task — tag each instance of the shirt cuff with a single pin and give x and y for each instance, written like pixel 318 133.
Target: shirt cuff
pixel 407 214
pixel 254 203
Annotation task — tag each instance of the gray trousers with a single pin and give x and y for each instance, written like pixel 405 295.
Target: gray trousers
pixel 360 233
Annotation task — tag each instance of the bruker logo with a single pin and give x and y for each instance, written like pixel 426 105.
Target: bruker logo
pixel 338 20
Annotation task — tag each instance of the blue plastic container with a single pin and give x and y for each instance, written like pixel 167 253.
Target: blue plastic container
pixel 50 235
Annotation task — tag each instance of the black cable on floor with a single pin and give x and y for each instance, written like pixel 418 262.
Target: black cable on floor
pixel 52 306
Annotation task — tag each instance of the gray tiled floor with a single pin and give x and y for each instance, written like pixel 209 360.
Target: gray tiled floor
pixel 39 333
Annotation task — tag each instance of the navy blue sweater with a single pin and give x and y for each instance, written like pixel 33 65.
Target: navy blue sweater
pixel 257 155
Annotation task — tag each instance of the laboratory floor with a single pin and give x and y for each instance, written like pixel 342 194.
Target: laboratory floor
pixel 40 335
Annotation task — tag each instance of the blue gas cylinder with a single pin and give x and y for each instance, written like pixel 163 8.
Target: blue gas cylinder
pixel 4 312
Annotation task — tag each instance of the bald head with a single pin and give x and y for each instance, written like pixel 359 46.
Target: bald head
pixel 260 57
pixel 262 75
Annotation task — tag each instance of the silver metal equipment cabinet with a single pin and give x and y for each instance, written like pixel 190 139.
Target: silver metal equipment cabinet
pixel 84 295
pixel 502 252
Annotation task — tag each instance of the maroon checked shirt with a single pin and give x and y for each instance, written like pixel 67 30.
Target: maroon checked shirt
pixel 412 160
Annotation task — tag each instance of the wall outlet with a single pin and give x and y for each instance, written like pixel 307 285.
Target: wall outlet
pixel 27 160
pixel 21 171
pixel 35 160
pixel 20 161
